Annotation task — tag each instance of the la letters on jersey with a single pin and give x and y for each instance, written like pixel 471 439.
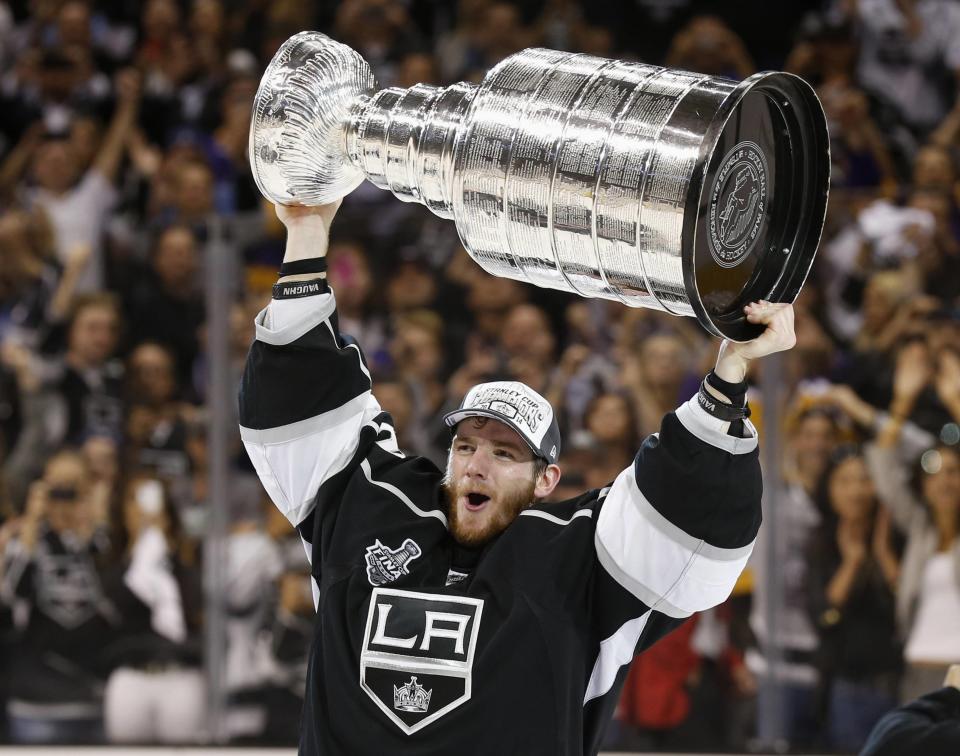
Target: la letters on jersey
pixel 416 661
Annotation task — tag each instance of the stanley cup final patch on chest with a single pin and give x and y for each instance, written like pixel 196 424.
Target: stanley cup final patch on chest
pixel 417 657
pixel 384 565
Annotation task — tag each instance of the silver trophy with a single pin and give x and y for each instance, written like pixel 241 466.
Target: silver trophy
pixel 649 186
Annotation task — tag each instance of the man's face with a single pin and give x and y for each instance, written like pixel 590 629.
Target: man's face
pixel 152 372
pixel 175 260
pixel 55 166
pixel 194 190
pixel 94 334
pixel 489 480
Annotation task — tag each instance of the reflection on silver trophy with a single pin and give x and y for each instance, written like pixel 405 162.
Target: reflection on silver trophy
pixel 649 186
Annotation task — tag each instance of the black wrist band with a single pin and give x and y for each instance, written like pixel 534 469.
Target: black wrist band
pixel 718 409
pixel 735 392
pixel 297 289
pixel 299 267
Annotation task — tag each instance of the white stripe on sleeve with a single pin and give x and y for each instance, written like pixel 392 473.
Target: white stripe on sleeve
pixel 615 651
pixel 294 460
pixel 664 567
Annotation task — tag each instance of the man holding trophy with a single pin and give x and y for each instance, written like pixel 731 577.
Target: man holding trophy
pixel 457 613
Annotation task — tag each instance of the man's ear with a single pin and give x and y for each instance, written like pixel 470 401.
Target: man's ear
pixel 547 482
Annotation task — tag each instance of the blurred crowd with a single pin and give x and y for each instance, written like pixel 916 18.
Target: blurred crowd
pixel 123 176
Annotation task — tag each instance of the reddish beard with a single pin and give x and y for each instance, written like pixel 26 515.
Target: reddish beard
pixel 509 506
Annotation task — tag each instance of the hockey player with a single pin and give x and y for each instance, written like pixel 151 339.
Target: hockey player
pixel 455 613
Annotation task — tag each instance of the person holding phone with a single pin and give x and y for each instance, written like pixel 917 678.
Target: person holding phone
pixel 56 672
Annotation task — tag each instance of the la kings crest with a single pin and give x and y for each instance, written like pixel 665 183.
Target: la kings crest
pixel 416 662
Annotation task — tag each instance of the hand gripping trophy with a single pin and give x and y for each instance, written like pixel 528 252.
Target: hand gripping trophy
pixel 649 186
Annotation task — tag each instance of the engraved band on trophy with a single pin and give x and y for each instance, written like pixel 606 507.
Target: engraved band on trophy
pixel 649 186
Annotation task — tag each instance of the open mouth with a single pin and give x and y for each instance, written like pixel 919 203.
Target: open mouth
pixel 476 501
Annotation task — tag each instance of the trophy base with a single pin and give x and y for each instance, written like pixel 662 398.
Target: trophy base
pixel 297 142
pixel 754 218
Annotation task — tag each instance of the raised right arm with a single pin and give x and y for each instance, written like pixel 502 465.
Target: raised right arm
pixel 305 393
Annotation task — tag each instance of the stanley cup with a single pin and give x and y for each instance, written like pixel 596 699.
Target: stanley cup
pixel 649 186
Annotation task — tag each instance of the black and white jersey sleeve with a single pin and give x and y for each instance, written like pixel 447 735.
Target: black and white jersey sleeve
pixel 673 533
pixel 304 398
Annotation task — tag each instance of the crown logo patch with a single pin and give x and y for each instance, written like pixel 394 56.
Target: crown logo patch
pixel 384 565
pixel 412 697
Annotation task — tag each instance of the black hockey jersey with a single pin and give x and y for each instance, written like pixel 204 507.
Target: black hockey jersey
pixel 421 647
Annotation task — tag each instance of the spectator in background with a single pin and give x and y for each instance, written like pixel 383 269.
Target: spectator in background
pixel 6 34
pixel 157 691
pixel 192 199
pixel 349 272
pixel 102 455
pixel 934 168
pixel 57 674
pixel 396 397
pixel 175 94
pixel 77 29
pixel 853 573
pixel 928 514
pixel 707 45
pixel 527 345
pixel 910 56
pixel 485 34
pixel 937 261
pixel 610 421
pixel 78 203
pixel 380 30
pixel 254 564
pixel 412 285
pixel 28 278
pixel 417 352
pixel 812 435
pixel 157 418
pixel 655 705
pixel 24 434
pixel 654 376
pixel 825 51
pixel 11 421
pixel 207 25
pixel 291 630
pixel 859 156
pixel 88 398
pixel 417 67
pixel 165 302
pixel 527 333
pixel 227 150
pixel 453 45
